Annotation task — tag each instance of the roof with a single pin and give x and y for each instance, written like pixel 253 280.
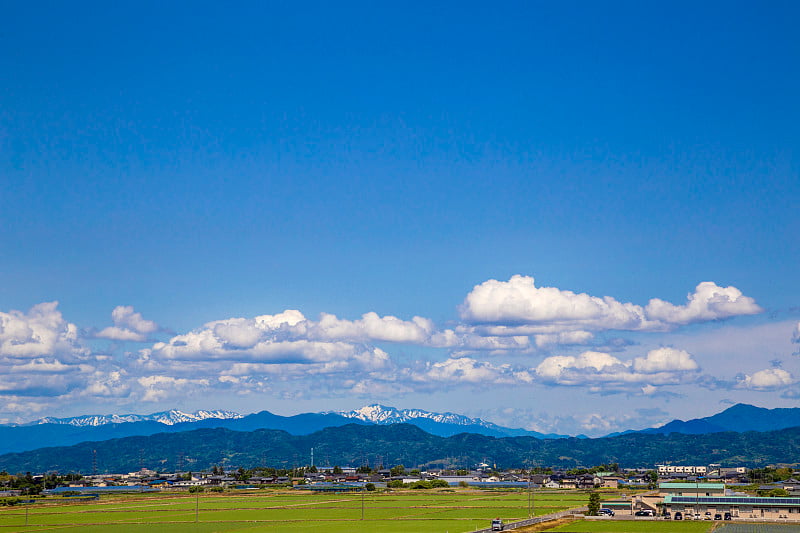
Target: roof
pixel 728 500
pixel 719 486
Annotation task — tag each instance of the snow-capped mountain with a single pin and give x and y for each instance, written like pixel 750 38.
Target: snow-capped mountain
pixel 173 416
pixel 383 415
pixel 442 424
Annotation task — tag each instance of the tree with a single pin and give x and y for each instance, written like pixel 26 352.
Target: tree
pixel 337 469
pixel 398 470
pixel 594 504
pixel 370 487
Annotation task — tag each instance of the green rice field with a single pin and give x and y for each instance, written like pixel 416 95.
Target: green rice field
pixel 445 511
pixel 633 526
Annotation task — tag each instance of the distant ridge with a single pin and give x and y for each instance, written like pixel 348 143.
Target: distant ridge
pixel 68 431
pixel 171 417
pixel 72 430
pixel 740 418
pixel 359 444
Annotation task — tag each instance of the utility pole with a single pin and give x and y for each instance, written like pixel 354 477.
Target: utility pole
pixel 197 509
pixel 363 490
pixel 530 494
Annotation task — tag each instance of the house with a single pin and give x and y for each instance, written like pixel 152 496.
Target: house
pixel 540 479
pixel 610 482
pixel 568 483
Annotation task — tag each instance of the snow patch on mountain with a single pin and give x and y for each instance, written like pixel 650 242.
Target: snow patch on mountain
pixel 169 418
pixel 383 415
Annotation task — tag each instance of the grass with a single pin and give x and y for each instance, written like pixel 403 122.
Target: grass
pixel 633 526
pixel 284 511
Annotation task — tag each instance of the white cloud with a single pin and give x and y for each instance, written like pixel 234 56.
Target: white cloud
pixel 665 360
pixel 517 307
pixel 125 316
pixel 42 331
pixel 465 370
pixel 128 326
pixel 120 334
pixel 796 335
pixel 41 355
pixel 519 302
pixel 766 380
pixel 157 388
pixel 708 302
pixel 465 338
pixel 372 327
pixel 663 366
pixel 563 338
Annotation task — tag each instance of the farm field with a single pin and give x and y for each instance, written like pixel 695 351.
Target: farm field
pixel 633 526
pixel 421 511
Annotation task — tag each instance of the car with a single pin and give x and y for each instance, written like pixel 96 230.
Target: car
pixel 667 515
pixel 678 515
pixel 707 516
pixel 605 511
pixel 728 516
pixel 697 516
pixel 717 516
pixel 643 512
pixel 497 525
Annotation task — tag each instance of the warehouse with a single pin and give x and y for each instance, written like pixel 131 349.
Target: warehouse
pixel 736 506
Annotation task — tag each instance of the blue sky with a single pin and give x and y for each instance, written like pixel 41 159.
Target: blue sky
pixel 193 166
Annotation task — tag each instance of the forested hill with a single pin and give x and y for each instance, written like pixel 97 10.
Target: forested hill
pixel 402 444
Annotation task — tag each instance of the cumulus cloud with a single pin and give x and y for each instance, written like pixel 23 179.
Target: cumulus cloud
pixel 665 360
pixel 518 306
pixel 766 380
pixel 372 327
pixel 519 302
pixel 708 302
pixel 465 370
pixel 269 353
pixel 663 366
pixel 157 388
pixel 42 331
pixel 564 338
pixel 128 326
pixel 41 354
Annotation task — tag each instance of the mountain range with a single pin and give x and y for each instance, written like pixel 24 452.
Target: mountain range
pixel 96 428
pixel 67 431
pixel 739 418
pixel 375 445
pixel 171 417
pixel 442 424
